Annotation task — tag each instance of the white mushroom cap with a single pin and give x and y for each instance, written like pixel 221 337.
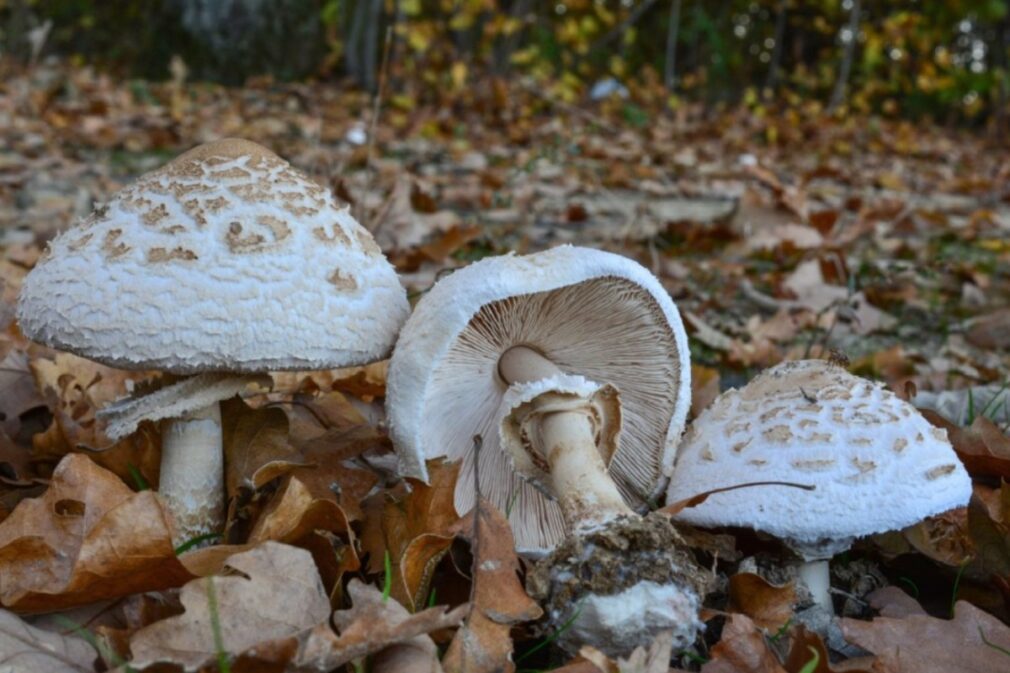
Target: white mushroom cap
pixel 593 314
pixel 876 463
pixel 226 259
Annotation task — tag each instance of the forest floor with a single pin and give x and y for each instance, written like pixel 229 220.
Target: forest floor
pixel 780 234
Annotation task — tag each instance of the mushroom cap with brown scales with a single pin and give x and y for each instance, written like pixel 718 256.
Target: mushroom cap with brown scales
pixel 876 464
pixel 225 259
pixel 593 314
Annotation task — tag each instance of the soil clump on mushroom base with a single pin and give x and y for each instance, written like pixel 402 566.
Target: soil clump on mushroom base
pixel 612 560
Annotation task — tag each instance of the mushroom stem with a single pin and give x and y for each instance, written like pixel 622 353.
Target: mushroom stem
pixel 567 439
pixel 192 472
pixel 816 575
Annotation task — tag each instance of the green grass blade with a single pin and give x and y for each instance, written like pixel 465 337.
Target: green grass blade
pixel 199 539
pixel 223 664
pixel 387 582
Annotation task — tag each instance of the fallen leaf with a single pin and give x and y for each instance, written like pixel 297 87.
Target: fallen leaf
pixel 75 388
pixel 742 649
pixel 768 605
pixel 414 528
pixel 276 592
pixel 26 649
pixel 944 537
pixel 890 601
pixel 982 447
pixel 973 642
pixel 652 659
pixel 256 446
pixel 87 538
pixel 497 598
pixel 704 387
pixel 991 331
pixel 18 392
pixel 806 647
pixel 329 476
pixel 373 624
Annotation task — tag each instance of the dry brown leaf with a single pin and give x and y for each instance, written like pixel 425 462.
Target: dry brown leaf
pixel 87 538
pixel 275 594
pixel 890 601
pixel 414 528
pixel 329 477
pixel 990 536
pixel 805 646
pixel 18 392
pixel 256 445
pixel 973 642
pixel 742 649
pixel 704 387
pixel 982 447
pixel 75 389
pixel 654 659
pixel 371 625
pixel 15 462
pixel 313 415
pixel 27 649
pixel 768 605
pixel 498 600
pixel 945 537
pixel 403 227
pixel 991 331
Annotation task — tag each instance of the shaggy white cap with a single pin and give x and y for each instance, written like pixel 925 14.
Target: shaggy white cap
pixel 225 259
pixel 591 313
pixel 876 463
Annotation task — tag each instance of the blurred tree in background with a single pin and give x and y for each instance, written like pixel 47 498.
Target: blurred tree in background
pixel 946 58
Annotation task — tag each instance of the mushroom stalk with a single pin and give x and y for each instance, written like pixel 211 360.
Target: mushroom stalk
pixel 192 472
pixel 567 440
pixel 816 575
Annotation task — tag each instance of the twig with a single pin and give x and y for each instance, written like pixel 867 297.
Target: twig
pixel 376 109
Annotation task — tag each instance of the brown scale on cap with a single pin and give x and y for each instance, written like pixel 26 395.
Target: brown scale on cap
pixel 338 236
pixel 164 255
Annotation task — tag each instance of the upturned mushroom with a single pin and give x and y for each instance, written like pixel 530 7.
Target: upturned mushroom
pixel 572 366
pixel 226 261
pixel 875 463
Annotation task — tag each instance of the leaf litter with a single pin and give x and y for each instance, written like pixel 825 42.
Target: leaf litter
pixel 846 241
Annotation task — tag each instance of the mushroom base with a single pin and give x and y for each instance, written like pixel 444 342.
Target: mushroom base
pixel 624 583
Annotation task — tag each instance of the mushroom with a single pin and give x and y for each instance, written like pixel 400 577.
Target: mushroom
pixel 572 366
pixel 225 261
pixel 875 463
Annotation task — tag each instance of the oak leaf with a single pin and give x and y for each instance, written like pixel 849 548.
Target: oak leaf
pixel 414 528
pixel 87 538
pixel 972 642
pixel 27 649
pixel 497 598
pixel 768 605
pixel 275 593
pixel 75 388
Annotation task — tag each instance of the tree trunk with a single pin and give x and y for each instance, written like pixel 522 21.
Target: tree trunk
pixel 780 35
pixel 672 32
pixel 370 44
pixel 352 48
pixel 842 83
